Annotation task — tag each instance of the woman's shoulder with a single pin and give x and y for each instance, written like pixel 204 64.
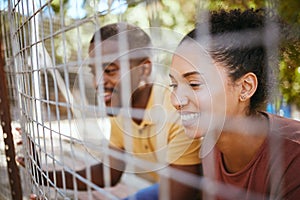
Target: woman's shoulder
pixel 285 127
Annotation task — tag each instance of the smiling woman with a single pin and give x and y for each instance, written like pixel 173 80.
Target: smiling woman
pixel 194 82
pixel 219 93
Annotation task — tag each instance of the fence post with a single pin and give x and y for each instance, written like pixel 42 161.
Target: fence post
pixel 12 168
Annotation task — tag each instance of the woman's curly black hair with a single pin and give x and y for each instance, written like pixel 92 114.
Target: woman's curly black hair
pixel 238 40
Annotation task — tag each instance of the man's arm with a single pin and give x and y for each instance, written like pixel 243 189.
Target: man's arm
pixel 116 170
pixel 96 176
pixel 182 191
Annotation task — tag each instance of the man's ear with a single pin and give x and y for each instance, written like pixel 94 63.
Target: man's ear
pixel 248 86
pixel 147 67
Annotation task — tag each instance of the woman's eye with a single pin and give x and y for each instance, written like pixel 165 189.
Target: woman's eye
pixel 195 85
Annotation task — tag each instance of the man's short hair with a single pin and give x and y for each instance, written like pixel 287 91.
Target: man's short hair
pixel 137 39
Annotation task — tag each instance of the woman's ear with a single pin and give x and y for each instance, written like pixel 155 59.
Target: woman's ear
pixel 248 86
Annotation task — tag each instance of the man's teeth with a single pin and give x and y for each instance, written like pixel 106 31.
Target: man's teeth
pixel 189 116
pixel 105 94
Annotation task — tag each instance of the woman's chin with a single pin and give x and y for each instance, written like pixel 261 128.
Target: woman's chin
pixel 193 132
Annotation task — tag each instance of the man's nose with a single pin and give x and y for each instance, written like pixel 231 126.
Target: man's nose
pixel 98 82
pixel 105 77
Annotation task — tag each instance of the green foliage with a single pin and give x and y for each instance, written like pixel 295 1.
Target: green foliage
pixel 55 4
pixel 235 4
pixel 290 11
pixel 289 76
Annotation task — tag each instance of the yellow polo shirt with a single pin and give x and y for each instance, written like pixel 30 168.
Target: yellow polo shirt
pixel 159 137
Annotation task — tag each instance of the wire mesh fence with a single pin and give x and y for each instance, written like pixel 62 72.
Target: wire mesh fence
pixel 91 107
pixel 54 93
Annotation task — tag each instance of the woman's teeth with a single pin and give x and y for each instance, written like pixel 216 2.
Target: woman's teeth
pixel 191 116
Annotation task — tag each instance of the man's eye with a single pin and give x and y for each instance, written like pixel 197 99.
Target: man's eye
pixel 93 72
pixel 91 69
pixel 111 71
pixel 173 85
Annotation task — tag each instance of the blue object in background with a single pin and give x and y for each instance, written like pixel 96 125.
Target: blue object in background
pixel 148 193
pixel 285 109
pixel 271 108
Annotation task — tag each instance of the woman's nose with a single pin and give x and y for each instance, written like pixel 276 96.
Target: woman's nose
pixel 178 101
